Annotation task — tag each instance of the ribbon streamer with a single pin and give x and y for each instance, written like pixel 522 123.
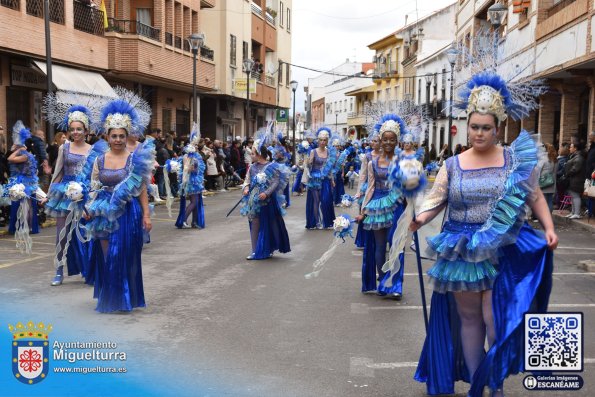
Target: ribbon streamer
pixel 24 242
pixel 319 264
pixel 71 224
pixel 169 197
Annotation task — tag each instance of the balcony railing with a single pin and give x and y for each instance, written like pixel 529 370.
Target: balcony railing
pixel 35 8
pixel 270 19
pixel 134 27
pixel 186 45
pixel 256 75
pixel 14 4
pixel 169 38
pixel 269 80
pixel 207 53
pixel 88 19
pixel 178 42
pixel 256 9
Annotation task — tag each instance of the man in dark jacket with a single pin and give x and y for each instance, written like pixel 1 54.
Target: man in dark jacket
pixel 574 172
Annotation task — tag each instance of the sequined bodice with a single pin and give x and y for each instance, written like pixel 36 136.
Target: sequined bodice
pixel 111 177
pixel 72 162
pixel 27 168
pixel 472 193
pixel 319 162
pixel 380 176
pixel 256 168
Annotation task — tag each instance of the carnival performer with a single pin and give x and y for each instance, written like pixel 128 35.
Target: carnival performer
pixel 119 210
pixel 320 211
pixel 192 184
pixel 282 155
pixel 365 158
pixel 382 207
pixel 490 261
pixel 263 201
pixel 303 152
pixel 23 188
pixel 69 188
pixel 339 184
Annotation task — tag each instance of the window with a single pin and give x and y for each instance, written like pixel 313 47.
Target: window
pixel 232 50
pixel 280 72
pixel 281 12
pixel 419 92
pixel 288 19
pixel 143 15
pixel 244 50
pixel 287 75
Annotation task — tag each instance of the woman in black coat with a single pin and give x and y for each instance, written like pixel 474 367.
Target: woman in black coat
pixel 574 173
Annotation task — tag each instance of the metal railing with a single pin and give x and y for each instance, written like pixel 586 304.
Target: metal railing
pixel 270 19
pixel 88 19
pixel 169 38
pixel 207 53
pixel 269 80
pixel 186 45
pixel 133 27
pixel 256 9
pixel 14 4
pixel 35 8
pixel 256 75
pixel 178 42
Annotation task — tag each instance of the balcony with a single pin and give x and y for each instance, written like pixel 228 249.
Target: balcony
pixel 561 15
pixel 169 39
pixel 269 80
pixel 88 19
pixel 207 53
pixel 356 119
pixel 134 27
pixel 14 4
pixel 35 8
pixel 256 9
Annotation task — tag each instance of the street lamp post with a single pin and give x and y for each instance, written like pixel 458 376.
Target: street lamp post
pixel 336 121
pixel 48 62
pixel 451 54
pixel 496 13
pixel 294 85
pixel 196 41
pixel 248 64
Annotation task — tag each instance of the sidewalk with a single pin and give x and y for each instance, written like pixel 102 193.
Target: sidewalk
pixel 583 223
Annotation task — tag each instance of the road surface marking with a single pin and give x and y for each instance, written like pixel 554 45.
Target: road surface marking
pixel 9 264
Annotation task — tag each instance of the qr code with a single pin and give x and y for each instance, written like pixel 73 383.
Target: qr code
pixel 554 342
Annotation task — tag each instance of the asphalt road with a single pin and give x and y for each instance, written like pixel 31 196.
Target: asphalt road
pixel 225 326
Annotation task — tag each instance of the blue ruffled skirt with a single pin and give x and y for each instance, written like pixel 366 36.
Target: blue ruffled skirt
pixel 14 208
pixel 525 278
pixel 198 217
pixel 380 210
pixel 325 207
pixel 272 234
pixel 195 185
pixel 119 279
pixel 453 273
pixel 58 203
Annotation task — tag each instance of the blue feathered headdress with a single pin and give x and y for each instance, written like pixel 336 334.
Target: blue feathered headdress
pixel 487 93
pixel 391 122
pixel 77 113
pixel 309 134
pixel 262 138
pixel 325 132
pixel 121 114
pixel 281 138
pixel 336 140
pixel 20 133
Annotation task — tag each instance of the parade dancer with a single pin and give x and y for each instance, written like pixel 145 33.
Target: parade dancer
pixel 23 188
pixel 320 211
pixel 338 171
pixel 70 181
pixel 263 202
pixel 490 261
pixel 366 157
pixel 382 207
pixel 119 211
pixel 283 156
pixel 303 152
pixel 192 185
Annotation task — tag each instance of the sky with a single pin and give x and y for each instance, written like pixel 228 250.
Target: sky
pixel 327 32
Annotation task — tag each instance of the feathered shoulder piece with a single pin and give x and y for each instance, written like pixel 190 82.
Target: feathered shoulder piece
pixel 391 122
pixel 20 134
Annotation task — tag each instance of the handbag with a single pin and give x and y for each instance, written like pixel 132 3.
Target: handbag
pixel 590 188
pixel 546 180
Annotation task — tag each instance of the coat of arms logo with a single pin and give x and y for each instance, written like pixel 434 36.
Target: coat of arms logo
pixel 30 351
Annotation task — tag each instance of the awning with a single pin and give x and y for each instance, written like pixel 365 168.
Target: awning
pixel 71 80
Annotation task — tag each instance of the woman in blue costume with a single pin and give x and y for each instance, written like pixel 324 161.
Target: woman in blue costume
pixel 338 171
pixel 192 185
pixel 320 211
pixel 23 171
pixel 263 202
pixel 283 156
pixel 73 164
pixel 381 208
pixel 303 153
pixel 367 157
pixel 492 266
pixel 119 211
